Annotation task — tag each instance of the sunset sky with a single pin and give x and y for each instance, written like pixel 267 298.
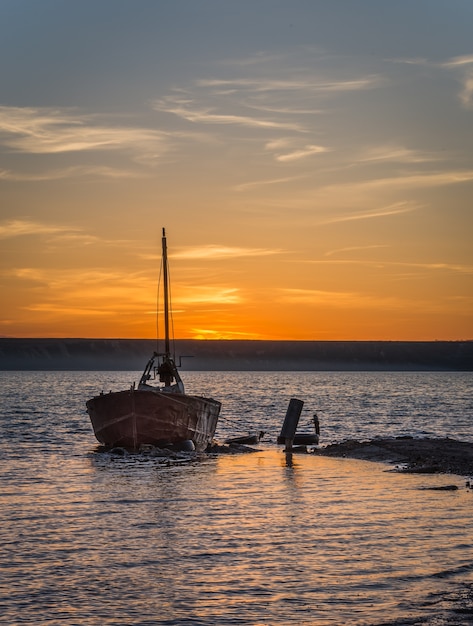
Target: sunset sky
pixel 311 160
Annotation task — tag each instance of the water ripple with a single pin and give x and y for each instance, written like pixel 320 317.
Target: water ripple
pixel 94 538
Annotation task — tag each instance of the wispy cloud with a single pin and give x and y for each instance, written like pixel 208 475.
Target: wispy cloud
pixel 55 234
pixel 65 311
pixel 355 249
pixel 203 295
pixel 351 300
pixel 206 115
pixel 449 267
pixel 303 153
pixel 459 61
pixel 286 110
pixel 337 299
pixel 19 228
pixel 206 333
pixel 28 274
pixel 71 289
pixel 305 83
pixel 51 131
pixel 382 264
pixel 288 149
pixel 222 252
pixel 258 100
pixel 432 179
pixel 436 267
pixel 268 182
pixel 259 58
pixel 99 171
pixel 464 64
pixel 467 91
pixel 397 154
pixel 392 209
pixel 411 61
pixel 65 293
pixel 418 180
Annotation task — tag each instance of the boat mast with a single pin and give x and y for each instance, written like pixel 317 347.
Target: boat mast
pixel 167 348
pixel 166 370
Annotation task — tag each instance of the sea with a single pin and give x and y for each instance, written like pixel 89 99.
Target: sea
pixel 95 538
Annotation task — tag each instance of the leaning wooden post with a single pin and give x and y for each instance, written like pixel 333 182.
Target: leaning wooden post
pixel 291 421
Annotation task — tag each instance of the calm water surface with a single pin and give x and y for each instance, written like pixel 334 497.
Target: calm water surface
pixel 94 538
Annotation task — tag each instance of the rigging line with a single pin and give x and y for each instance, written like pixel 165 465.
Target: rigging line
pixel 171 316
pixel 157 304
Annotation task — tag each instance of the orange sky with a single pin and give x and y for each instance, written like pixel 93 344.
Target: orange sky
pixel 314 179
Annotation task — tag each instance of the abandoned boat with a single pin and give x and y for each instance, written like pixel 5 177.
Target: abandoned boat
pixel 158 415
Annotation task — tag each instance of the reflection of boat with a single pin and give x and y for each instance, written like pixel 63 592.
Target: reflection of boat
pixel 156 415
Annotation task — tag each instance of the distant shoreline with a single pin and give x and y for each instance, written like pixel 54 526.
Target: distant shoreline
pixel 237 355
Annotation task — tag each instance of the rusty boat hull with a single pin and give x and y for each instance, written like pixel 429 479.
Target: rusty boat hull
pixel 136 417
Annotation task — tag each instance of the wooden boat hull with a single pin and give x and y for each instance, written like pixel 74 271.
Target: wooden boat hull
pixel 135 417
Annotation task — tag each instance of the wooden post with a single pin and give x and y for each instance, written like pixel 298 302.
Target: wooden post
pixel 291 421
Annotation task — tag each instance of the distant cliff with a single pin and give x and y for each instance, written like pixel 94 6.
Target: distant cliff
pixel 132 354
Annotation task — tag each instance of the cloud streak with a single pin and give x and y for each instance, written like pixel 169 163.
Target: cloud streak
pixel 305 83
pixel 382 264
pixel 404 182
pixel 355 249
pixel 464 64
pixel 53 131
pixel 56 234
pixel 99 171
pixel 214 252
pixel 303 153
pixel 269 182
pixel 397 154
pixel 337 299
pixel 260 101
pixel 196 295
pixel 21 228
pixel 459 61
pixel 193 113
pixel 393 209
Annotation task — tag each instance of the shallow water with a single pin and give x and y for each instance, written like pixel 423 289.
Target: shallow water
pixel 93 538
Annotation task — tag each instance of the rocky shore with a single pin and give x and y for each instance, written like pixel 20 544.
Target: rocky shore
pixel 426 455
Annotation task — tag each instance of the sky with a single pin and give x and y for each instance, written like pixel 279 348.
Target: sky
pixel 311 161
